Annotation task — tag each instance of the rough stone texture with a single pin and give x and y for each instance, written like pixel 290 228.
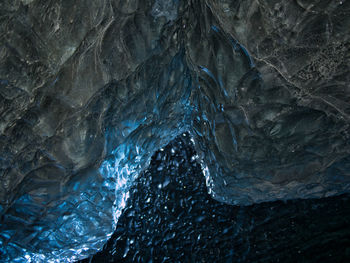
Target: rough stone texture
pixel 90 89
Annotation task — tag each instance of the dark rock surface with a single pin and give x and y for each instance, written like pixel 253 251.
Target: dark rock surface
pixel 89 90
pixel 170 217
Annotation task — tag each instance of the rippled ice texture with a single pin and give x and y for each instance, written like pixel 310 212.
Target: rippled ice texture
pixel 90 90
pixel 170 217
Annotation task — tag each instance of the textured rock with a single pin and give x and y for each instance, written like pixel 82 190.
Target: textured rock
pixel 90 89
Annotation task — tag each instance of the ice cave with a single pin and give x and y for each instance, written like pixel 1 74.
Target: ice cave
pixel 174 131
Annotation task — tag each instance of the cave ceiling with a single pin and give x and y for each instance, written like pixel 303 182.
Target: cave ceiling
pixel 89 90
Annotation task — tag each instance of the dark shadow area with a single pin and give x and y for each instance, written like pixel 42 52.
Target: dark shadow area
pixel 170 217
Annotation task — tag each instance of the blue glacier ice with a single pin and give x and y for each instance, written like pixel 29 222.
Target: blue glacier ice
pixel 90 203
pixel 89 90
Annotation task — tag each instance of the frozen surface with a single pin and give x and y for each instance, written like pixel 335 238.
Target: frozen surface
pixel 89 90
pixel 170 217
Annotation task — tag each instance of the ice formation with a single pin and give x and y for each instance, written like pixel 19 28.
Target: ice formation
pixel 89 90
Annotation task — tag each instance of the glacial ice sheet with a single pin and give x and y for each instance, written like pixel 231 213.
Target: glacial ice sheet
pixel 91 89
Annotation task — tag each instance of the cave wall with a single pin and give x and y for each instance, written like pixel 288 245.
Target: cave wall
pixel 90 89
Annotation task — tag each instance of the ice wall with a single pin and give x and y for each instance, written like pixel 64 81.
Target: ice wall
pixel 90 90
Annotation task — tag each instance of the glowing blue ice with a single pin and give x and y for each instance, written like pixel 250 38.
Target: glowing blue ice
pixel 63 220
